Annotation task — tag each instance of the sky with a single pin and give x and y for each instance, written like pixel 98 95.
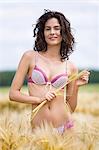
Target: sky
pixel 16 30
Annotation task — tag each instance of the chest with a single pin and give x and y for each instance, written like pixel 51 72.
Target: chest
pixel 53 73
pixel 52 69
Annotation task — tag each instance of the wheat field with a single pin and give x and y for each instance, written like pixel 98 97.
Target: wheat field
pixel 16 132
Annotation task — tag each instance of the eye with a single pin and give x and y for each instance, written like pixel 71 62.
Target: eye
pixel 47 29
pixel 57 28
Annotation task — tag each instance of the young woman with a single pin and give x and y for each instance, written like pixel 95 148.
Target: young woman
pixel 47 69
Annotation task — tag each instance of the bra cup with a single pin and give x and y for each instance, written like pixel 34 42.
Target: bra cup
pixel 37 77
pixel 60 82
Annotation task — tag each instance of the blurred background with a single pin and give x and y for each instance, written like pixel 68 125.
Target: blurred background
pixel 16 32
pixel 16 37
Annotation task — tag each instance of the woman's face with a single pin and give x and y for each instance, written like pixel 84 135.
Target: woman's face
pixel 52 32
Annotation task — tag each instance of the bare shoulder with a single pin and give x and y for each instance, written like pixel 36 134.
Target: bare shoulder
pixel 27 59
pixel 73 68
pixel 29 54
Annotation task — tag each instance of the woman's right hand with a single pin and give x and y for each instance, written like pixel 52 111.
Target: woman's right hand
pixel 50 95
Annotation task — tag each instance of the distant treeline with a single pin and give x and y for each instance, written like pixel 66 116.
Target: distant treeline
pixel 6 77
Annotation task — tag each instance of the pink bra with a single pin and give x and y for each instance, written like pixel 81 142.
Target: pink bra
pixel 39 77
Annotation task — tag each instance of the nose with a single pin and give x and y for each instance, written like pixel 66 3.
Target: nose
pixel 52 31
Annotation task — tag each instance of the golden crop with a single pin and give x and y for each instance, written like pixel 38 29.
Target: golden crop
pixel 16 132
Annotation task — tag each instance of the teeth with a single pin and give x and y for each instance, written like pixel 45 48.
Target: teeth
pixel 53 38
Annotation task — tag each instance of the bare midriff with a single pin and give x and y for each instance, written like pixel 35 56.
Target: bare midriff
pixel 53 112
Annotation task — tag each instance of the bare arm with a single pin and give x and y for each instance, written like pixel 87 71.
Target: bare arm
pixel 15 94
pixel 72 91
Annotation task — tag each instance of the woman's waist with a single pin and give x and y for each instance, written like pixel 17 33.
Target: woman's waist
pixel 51 112
pixel 56 104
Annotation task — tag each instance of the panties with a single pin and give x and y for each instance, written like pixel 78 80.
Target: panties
pixel 67 125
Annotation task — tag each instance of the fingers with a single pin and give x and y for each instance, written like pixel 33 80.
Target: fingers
pixel 86 72
pixel 50 95
pixel 85 79
pixel 85 76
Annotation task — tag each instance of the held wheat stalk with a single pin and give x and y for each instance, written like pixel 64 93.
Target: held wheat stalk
pixel 70 79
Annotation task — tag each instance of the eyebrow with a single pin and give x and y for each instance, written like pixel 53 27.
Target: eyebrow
pixel 54 26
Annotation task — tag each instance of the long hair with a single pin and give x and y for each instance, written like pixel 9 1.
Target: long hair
pixel 67 38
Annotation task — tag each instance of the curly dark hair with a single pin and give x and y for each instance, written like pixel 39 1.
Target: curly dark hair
pixel 67 37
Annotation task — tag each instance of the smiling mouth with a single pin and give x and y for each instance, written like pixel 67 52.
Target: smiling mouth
pixel 53 38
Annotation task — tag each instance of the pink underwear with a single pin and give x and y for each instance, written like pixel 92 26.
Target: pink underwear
pixel 67 125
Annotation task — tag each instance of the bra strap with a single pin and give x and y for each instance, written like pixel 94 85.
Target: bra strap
pixel 36 57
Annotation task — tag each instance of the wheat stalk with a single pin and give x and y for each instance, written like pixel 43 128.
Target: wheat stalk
pixel 71 78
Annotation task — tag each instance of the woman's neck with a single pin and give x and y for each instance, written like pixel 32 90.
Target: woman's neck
pixel 53 51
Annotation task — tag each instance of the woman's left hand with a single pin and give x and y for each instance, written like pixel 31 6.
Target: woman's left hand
pixel 83 79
